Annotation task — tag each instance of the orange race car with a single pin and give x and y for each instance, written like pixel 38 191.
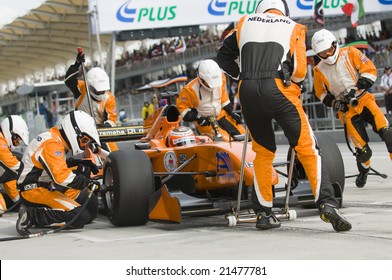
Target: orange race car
pixel 159 181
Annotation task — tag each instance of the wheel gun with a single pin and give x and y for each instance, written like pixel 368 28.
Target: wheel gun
pixel 351 99
pixel 214 124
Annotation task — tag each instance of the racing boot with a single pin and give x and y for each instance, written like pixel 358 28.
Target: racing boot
pixel 267 221
pixel 360 182
pixel 24 222
pixel 331 214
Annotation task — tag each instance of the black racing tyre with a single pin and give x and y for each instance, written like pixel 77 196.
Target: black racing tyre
pixel 332 158
pixel 128 175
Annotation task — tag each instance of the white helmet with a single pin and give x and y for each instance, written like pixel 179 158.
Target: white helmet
pixel 75 126
pixel 13 127
pixel 279 5
pixel 323 40
pixel 210 74
pixel 181 136
pixel 98 82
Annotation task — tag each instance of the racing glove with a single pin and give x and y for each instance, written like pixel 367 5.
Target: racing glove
pixel 191 115
pixel 236 117
pixel 80 58
pixel 340 106
pixel 328 100
pixel 85 166
pixel 229 109
pixel 350 94
pixel 203 121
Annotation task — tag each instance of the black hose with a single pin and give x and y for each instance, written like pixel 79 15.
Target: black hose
pixel 12 207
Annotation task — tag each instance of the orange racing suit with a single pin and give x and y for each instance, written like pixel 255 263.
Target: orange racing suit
pixel 9 167
pixel 105 113
pixel 272 51
pixel 331 82
pixel 206 103
pixel 52 192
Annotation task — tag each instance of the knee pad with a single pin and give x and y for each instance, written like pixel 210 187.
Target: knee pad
pixel 386 136
pixel 364 154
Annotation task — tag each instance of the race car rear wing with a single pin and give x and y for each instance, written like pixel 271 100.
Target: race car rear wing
pixel 120 133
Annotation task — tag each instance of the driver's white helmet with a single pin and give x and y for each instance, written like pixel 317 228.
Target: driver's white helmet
pixel 98 82
pixel 76 126
pixel 12 127
pixel 266 5
pixel 210 74
pixel 181 136
pixel 323 40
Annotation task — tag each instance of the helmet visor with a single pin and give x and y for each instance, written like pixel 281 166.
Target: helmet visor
pixel 204 83
pixel 184 141
pixel 327 53
pixel 94 91
pixel 16 140
pixel 84 140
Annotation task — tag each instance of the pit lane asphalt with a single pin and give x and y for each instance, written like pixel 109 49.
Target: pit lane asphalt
pixel 368 209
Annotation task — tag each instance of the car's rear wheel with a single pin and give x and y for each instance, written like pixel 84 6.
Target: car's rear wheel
pixel 332 158
pixel 128 177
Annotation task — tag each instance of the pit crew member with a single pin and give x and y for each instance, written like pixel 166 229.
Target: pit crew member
pixel 206 96
pixel 341 80
pixel 52 193
pixel 272 65
pixel 13 132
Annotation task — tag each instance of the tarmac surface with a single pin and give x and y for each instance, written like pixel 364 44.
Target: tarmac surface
pixel 197 238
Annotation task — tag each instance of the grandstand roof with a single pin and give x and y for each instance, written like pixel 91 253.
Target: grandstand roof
pixel 44 37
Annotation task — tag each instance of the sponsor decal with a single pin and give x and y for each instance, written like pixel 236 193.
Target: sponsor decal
pixel 58 153
pixel 385 2
pixel 269 20
pixel 364 59
pixel 249 164
pixel 305 4
pixel 227 8
pixel 170 161
pixel 128 13
pixel 182 158
pixel 4 145
pixel 224 166
pixel 39 138
pixel 112 132
pixel 30 187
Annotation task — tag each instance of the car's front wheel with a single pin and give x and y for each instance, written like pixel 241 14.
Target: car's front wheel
pixel 128 177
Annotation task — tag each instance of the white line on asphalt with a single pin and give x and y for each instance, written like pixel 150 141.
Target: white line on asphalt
pixel 100 240
pixel 380 202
